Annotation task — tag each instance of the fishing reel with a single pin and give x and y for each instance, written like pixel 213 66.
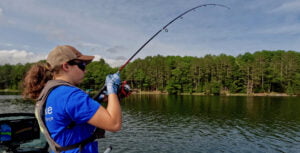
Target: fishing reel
pixel 123 92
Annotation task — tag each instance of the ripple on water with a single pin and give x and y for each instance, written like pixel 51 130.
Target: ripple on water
pixel 199 126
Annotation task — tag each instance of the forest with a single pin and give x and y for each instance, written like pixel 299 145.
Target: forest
pixel 259 72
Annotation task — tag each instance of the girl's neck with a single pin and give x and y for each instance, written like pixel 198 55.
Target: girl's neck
pixel 64 78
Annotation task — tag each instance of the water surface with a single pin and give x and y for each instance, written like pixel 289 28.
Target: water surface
pixel 159 123
pixel 171 124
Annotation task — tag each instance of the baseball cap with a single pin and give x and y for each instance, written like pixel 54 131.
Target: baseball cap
pixel 65 53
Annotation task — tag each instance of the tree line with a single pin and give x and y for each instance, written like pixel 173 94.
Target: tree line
pixel 258 72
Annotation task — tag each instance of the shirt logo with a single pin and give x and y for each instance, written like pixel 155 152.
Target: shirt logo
pixel 48 113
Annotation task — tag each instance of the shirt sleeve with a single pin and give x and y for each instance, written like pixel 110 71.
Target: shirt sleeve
pixel 81 107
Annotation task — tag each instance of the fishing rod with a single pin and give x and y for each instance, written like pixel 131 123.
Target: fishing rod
pixel 164 28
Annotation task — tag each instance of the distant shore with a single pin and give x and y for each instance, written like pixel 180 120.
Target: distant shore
pixel 9 92
pixel 274 94
pixel 229 94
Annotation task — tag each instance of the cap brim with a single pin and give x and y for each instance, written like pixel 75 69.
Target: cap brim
pixel 86 58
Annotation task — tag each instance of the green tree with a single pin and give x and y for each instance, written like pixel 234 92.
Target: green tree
pixel 95 74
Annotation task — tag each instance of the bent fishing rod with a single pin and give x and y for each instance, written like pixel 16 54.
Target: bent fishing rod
pixel 164 28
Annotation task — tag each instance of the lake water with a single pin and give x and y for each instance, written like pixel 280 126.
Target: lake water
pixel 192 124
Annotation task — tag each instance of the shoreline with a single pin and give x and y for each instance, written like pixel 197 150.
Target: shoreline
pixel 272 94
pixel 135 91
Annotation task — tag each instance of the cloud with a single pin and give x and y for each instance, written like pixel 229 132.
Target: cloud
pixel 121 58
pixel 91 47
pixel 1 14
pixel 97 57
pixel 282 29
pixel 116 49
pixel 113 62
pixel 19 56
pixel 116 29
pixel 22 56
pixel 288 7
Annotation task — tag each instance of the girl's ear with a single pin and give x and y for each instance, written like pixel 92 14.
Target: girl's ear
pixel 65 67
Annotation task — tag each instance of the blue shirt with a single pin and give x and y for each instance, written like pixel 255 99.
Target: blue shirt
pixel 66 104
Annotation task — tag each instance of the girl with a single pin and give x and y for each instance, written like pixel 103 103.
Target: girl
pixel 66 113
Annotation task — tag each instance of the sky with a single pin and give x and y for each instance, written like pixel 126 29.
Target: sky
pixel 115 29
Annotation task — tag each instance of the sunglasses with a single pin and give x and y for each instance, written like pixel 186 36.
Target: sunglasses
pixel 81 64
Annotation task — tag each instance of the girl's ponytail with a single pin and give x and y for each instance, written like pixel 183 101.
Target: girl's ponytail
pixel 35 80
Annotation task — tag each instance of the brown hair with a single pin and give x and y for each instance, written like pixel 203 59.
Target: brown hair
pixel 35 80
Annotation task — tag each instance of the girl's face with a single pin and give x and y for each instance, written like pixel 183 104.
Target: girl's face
pixel 77 71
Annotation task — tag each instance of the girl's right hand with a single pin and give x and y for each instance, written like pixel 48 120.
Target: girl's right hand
pixel 112 83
